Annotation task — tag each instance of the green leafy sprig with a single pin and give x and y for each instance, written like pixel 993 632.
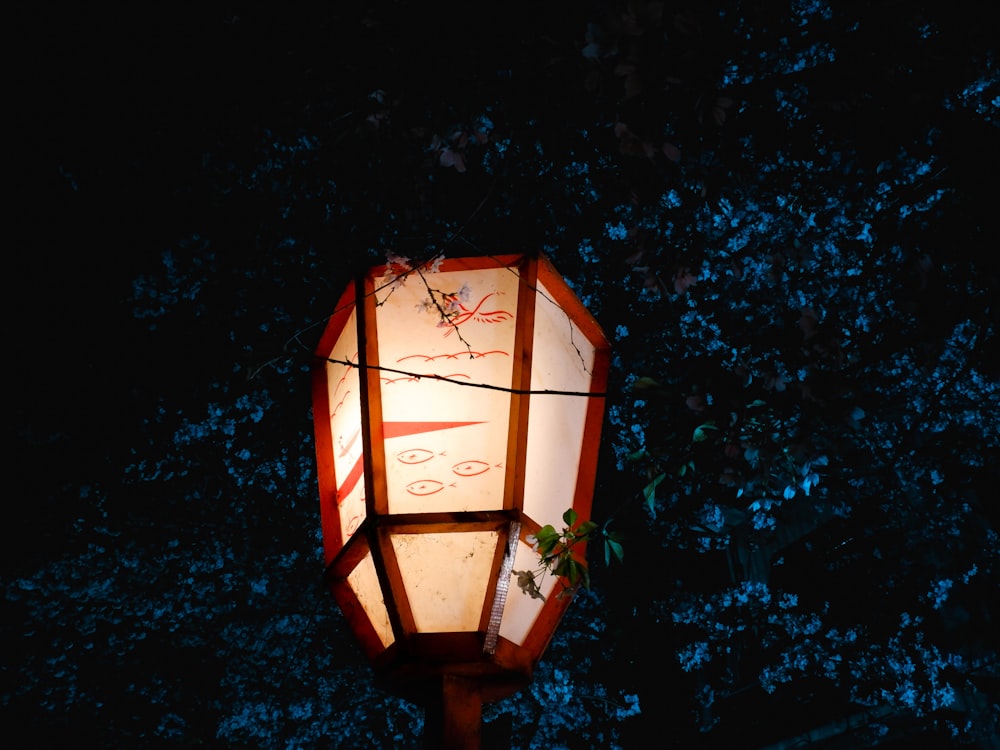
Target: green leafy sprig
pixel 557 557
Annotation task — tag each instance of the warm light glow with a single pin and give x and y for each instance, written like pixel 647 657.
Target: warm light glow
pixel 438 437
pixel 343 382
pixel 363 581
pixel 521 610
pixel 445 445
pixel 445 576
pixel 562 359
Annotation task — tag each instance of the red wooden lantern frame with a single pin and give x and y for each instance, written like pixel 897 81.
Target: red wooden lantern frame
pixel 376 429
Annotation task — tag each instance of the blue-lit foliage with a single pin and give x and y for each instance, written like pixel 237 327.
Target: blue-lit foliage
pixel 781 215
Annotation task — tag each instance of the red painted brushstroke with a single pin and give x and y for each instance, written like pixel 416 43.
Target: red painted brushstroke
pixel 393 430
pixel 401 429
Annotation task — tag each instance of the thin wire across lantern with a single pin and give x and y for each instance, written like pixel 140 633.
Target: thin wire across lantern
pixel 458 409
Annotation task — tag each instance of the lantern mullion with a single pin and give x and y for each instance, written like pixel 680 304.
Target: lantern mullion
pixel 348 599
pixel 323 415
pixel 529 528
pixel 445 522
pixel 520 381
pixel 371 400
pixel 397 601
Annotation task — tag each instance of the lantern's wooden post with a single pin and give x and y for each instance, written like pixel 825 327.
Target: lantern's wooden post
pixel 454 721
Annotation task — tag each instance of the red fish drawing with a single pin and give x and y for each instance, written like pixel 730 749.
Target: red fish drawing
pixel 425 487
pixel 415 456
pixel 392 430
pixel 470 468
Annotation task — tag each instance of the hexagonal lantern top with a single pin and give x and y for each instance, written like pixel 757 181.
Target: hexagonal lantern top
pixel 458 410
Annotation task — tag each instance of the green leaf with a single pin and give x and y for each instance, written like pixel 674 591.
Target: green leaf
pixel 546 532
pixel 573 571
pixel 547 538
pixel 699 431
pixel 685 468
pixel 649 491
pixel 585 529
pixel 613 548
pixel 569 517
pixel 638 455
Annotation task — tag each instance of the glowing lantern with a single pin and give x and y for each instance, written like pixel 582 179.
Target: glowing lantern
pixel 458 411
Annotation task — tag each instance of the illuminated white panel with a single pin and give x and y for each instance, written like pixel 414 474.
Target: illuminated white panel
pixel 562 359
pixel 445 444
pixel 343 382
pixel 364 583
pixel 521 609
pixel 445 577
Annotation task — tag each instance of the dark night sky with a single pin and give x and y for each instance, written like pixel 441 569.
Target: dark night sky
pixel 121 111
